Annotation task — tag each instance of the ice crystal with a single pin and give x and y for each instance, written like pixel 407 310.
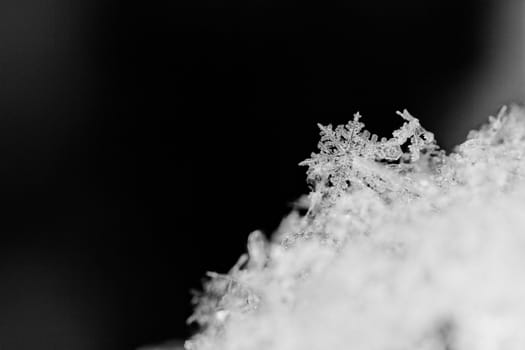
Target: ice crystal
pixel 402 247
pixel 349 156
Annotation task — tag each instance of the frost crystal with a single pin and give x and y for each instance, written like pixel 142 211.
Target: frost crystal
pixel 402 247
pixel 349 157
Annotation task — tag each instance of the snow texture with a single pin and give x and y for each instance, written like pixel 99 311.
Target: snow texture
pixel 402 247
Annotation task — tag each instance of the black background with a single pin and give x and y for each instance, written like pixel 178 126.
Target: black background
pixel 140 143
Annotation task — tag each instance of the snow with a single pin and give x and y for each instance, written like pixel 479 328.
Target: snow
pixel 421 251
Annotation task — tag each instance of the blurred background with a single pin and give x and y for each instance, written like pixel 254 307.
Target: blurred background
pixel 141 142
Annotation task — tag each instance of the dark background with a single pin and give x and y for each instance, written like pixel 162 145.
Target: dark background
pixel 141 142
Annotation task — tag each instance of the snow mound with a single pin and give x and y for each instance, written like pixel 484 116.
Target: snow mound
pixel 402 248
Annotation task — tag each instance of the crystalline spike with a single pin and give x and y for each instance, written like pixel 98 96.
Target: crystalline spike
pixel 325 129
pixel 502 111
pixel 405 115
pixel 256 249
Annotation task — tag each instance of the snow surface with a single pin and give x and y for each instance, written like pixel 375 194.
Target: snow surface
pixel 399 250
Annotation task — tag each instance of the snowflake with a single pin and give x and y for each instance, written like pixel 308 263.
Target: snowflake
pixel 351 157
